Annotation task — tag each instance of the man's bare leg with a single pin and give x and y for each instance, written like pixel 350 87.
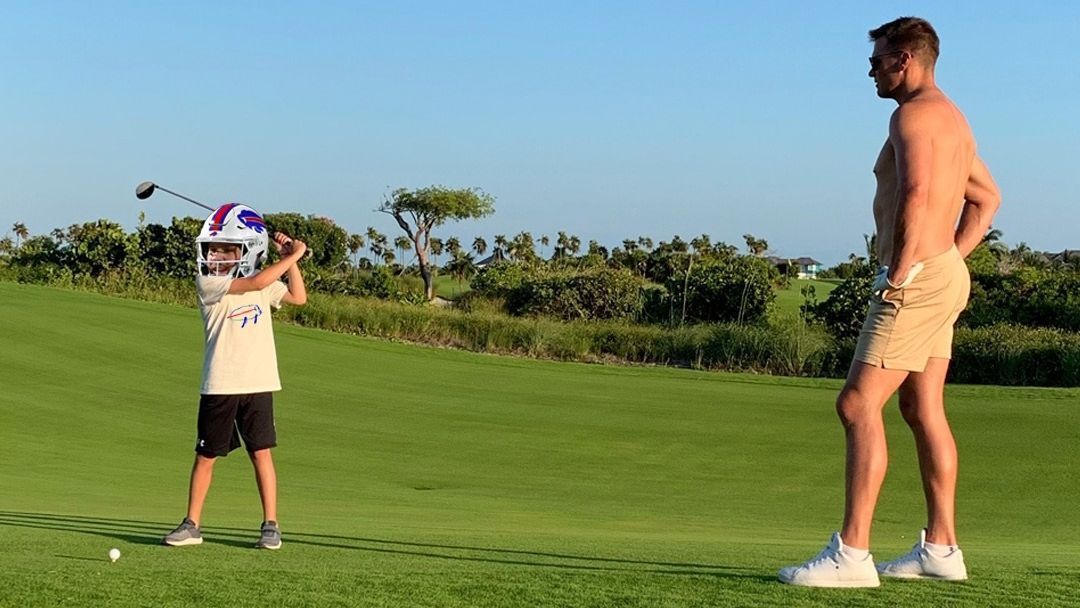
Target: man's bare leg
pixel 266 478
pixel 859 405
pixel 922 403
pixel 202 473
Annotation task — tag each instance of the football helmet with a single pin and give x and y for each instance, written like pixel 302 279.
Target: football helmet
pixel 238 225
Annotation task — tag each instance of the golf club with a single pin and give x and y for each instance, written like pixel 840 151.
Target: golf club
pixel 146 189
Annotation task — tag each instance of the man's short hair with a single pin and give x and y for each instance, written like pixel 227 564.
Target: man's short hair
pixel 911 34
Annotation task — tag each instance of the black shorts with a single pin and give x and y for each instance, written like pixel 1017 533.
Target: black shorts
pixel 225 419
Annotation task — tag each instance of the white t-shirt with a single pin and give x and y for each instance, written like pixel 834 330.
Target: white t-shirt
pixel 240 354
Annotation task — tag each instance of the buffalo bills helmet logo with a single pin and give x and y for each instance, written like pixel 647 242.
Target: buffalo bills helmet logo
pixel 252 220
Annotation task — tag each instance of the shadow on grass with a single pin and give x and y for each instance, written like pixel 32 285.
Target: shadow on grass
pixel 150 533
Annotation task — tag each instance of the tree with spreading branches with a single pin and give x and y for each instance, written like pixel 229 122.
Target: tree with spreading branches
pixel 420 211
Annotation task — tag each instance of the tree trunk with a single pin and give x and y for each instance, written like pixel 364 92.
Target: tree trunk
pixel 425 267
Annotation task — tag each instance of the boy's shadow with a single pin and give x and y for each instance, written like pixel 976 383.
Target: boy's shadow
pixel 151 532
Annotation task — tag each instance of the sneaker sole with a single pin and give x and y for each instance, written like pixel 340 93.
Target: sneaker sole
pixel 924 577
pixel 832 584
pixel 269 547
pixel 182 543
pixel 836 584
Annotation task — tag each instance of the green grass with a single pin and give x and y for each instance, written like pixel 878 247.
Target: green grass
pixel 414 476
pixel 789 299
pixel 449 287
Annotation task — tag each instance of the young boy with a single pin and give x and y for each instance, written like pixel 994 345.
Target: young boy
pixel 240 364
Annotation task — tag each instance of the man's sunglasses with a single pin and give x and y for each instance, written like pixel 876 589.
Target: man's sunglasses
pixel 875 60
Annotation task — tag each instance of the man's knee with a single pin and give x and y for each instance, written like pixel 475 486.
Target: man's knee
pixel 909 409
pixel 853 407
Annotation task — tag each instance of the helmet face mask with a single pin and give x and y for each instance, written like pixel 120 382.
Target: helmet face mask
pixel 237 225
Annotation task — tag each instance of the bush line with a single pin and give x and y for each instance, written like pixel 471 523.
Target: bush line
pixel 999 354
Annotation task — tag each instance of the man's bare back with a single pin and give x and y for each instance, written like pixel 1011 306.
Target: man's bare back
pixel 939 152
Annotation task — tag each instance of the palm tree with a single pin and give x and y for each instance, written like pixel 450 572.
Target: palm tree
pixel 562 245
pixel 479 245
pixel 993 240
pixel 522 247
pixel 545 240
pixel 645 242
pixel 20 233
pixel 376 242
pixel 453 245
pixel 461 267
pixel 437 247
pixel 756 246
pixel 575 245
pixel 500 243
pixel 356 243
pixel 702 244
pixel 598 250
pixel 403 244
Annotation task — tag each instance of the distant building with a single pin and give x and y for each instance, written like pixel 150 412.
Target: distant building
pixel 1064 257
pixel 498 256
pixel 808 268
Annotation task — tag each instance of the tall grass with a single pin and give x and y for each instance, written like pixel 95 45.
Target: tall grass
pixel 1009 355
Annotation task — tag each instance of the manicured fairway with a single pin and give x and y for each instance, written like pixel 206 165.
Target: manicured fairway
pixel 790 299
pixel 413 476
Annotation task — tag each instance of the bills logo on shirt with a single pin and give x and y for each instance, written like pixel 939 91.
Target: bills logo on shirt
pixel 244 314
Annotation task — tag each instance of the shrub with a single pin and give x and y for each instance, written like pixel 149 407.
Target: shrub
pixel 1013 355
pixel 844 311
pixel 596 293
pixel 1033 297
pixel 735 289
pixel 499 280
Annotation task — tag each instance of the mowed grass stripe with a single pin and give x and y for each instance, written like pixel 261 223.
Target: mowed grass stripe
pixel 422 476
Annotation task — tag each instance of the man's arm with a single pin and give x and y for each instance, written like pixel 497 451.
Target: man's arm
pixel 271 273
pixel 981 201
pixel 913 144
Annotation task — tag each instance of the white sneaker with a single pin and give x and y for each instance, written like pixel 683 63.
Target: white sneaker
pixel 833 567
pixel 921 563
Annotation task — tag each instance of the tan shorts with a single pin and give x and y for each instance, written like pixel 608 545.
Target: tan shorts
pixel 904 328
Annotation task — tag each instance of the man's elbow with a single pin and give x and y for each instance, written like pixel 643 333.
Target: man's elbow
pixel 988 202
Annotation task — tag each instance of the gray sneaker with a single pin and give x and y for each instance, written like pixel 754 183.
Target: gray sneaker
pixel 187 533
pixel 270 537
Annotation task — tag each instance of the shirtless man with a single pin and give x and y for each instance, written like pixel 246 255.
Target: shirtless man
pixel 928 178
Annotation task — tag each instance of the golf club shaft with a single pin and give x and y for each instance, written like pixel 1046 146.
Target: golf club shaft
pixel 208 208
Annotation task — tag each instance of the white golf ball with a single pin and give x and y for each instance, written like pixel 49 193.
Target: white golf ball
pixel 114 554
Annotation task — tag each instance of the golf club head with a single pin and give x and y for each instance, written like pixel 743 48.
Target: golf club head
pixel 144 190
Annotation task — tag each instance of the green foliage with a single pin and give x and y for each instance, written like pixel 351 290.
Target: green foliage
pixel 378 282
pixel 499 280
pixel 844 311
pixel 327 242
pixel 1013 355
pixel 982 261
pixel 95 247
pixel 1035 297
pixel 168 250
pixel 598 293
pixel 735 289
pixel 854 266
pixel 435 205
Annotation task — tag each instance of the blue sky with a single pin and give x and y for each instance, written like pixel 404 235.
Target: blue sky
pixel 605 119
